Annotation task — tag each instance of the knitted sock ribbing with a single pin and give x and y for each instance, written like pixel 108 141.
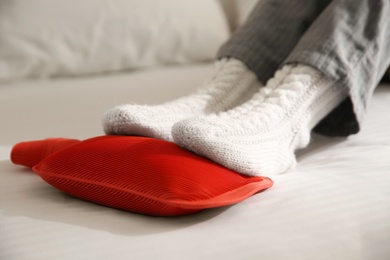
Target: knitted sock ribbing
pixel 231 84
pixel 260 136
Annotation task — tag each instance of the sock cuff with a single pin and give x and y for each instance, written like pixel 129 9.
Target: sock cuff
pixel 325 95
pixel 306 92
pixel 325 103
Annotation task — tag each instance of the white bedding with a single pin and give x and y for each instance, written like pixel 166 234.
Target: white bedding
pixel 334 205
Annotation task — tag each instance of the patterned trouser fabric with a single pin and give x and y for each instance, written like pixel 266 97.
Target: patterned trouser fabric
pixel 347 40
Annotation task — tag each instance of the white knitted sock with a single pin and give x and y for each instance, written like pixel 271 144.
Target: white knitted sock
pixel 260 136
pixel 231 84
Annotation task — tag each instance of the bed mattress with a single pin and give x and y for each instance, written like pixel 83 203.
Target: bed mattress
pixel 334 205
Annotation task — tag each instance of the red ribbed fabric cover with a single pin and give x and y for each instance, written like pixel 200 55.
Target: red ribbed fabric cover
pixel 145 175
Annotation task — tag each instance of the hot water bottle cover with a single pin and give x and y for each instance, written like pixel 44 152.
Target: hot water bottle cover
pixel 137 174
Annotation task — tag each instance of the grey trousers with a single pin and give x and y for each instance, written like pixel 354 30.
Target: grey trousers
pixel 347 40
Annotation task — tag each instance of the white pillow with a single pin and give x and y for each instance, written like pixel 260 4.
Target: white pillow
pixel 41 38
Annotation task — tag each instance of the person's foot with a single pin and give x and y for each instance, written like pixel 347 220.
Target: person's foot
pixel 231 84
pixel 260 136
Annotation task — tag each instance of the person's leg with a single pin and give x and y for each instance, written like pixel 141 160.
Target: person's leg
pixel 260 136
pixel 230 84
pixel 347 49
pixel 270 33
pixel 255 50
pixel 353 51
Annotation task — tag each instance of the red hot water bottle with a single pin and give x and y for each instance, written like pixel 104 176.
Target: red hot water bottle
pixel 145 175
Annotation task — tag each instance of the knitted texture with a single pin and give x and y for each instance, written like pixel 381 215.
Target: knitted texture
pixel 231 84
pixel 260 136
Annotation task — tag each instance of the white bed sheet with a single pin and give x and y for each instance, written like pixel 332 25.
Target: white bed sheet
pixel 334 205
